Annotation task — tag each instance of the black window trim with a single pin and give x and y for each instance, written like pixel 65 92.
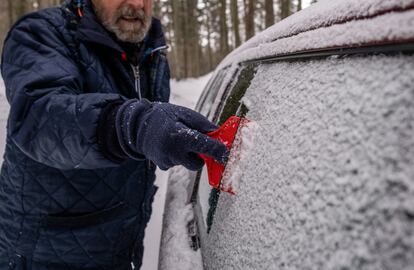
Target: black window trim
pixel 387 49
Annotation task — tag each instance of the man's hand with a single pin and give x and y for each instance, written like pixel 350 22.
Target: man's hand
pixel 167 134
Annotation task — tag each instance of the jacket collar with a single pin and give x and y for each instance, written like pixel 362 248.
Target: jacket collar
pixel 91 30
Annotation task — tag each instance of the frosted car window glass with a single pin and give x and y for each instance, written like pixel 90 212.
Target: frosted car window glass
pixel 208 197
pixel 331 170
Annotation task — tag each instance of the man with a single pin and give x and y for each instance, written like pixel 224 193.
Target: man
pixel 88 85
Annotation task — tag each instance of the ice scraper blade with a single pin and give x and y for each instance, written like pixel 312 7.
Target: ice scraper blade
pixel 225 134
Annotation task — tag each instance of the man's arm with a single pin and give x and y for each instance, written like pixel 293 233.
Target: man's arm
pixel 51 120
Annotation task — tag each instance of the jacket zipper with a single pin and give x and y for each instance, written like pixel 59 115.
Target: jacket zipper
pixel 135 70
pixel 137 78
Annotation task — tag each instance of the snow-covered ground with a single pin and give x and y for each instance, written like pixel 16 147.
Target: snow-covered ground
pixel 184 93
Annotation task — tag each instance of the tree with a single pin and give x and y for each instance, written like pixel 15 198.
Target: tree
pixel 249 18
pixel 224 39
pixel 285 8
pixel 208 30
pixel 157 9
pixel 180 57
pixel 200 32
pixel 18 8
pixel 270 13
pixel 235 22
pixel 47 3
pixel 4 21
pixel 192 45
pixel 299 6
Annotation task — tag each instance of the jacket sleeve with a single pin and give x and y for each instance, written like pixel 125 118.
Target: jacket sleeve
pixel 53 120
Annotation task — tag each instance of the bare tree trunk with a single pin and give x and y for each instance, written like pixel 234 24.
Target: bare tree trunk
pixel 299 5
pixel 157 9
pixel 178 26
pixel 18 8
pixel 235 22
pixel 285 8
pixel 209 23
pixel 48 3
pixel 4 21
pixel 192 39
pixel 224 39
pixel 270 13
pixel 185 37
pixel 43 3
pixel 249 19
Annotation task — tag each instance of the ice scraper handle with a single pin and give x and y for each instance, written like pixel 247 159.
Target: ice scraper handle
pixel 225 134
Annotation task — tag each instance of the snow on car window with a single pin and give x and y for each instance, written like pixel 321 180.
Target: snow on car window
pixel 230 99
pixel 328 183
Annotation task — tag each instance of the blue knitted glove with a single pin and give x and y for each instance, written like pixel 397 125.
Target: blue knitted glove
pixel 167 134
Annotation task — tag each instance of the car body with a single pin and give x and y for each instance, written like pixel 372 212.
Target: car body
pixel 326 178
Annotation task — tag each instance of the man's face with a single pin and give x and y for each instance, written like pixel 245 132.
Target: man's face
pixel 129 20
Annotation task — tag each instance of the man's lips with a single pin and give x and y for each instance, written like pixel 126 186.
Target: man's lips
pixel 130 19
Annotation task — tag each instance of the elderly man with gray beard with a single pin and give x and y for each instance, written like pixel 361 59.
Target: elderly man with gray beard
pixel 88 86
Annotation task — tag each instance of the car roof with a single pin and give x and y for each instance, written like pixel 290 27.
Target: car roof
pixel 332 24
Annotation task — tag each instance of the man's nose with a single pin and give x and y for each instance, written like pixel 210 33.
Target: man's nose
pixel 138 4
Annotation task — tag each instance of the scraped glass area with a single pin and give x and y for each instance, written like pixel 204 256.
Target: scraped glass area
pixel 233 104
pixel 230 105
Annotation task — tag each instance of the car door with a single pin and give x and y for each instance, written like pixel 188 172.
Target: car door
pixel 331 129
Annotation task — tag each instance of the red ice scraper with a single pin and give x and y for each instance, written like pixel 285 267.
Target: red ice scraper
pixel 225 134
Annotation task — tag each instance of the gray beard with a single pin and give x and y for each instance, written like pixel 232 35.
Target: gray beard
pixel 133 34
pixel 130 35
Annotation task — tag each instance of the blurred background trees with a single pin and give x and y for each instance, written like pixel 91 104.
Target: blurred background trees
pixel 200 32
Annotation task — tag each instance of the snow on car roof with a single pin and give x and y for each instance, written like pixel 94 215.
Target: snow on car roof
pixel 332 24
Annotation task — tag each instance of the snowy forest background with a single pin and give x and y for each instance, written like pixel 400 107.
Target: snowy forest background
pixel 200 32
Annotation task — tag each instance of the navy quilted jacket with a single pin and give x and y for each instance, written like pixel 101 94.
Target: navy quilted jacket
pixel 64 202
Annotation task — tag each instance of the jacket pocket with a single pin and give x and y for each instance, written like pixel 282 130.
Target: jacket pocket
pixel 85 220
pixel 86 240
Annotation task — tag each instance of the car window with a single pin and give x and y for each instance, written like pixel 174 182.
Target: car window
pixel 204 93
pixel 230 104
pixel 335 147
pixel 210 93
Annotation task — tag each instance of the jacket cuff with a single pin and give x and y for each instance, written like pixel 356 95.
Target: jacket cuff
pixel 128 121
pixel 107 135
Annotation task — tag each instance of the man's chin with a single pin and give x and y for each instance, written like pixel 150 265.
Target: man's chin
pixel 132 31
pixel 130 36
